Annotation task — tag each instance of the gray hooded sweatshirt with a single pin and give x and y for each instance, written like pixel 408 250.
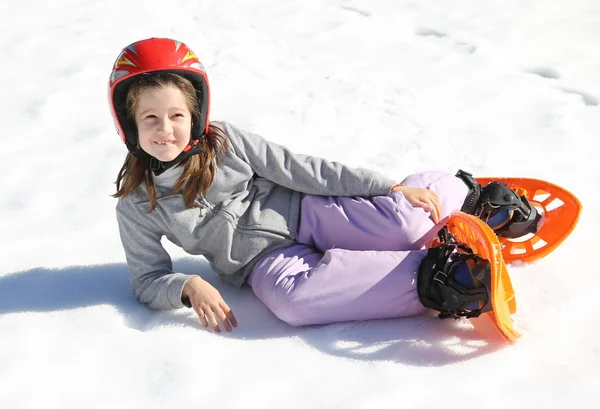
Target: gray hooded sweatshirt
pixel 251 208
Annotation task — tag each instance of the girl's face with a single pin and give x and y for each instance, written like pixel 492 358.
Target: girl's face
pixel 164 122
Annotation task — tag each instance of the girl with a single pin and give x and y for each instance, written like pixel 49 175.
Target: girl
pixel 317 241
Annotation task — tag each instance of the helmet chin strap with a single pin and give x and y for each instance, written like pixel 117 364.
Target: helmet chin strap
pixel 158 167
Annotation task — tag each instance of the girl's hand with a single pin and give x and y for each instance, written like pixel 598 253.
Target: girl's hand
pixel 208 304
pixel 424 198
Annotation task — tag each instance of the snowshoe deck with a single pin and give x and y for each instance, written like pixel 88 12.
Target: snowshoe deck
pixel 483 241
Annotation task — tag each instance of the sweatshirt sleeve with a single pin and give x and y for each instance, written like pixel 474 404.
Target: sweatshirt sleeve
pixel 306 174
pixel 152 280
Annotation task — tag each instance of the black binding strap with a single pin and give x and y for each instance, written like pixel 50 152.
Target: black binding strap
pixel 159 167
pixel 482 202
pixel 437 287
pixel 472 199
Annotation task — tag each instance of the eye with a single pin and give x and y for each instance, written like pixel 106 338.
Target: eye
pixel 179 115
pixel 150 117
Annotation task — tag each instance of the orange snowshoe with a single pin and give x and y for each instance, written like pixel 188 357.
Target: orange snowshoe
pixel 472 232
pixel 558 212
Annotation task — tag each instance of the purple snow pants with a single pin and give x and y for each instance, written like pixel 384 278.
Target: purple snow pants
pixel 356 258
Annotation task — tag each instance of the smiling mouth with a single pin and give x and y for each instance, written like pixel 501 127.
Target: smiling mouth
pixel 164 143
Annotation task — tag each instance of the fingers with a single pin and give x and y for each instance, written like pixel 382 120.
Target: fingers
pixel 208 317
pixel 201 315
pixel 219 313
pixel 229 315
pixel 212 321
pixel 436 211
pixel 225 315
pixel 438 207
pixel 425 199
pixel 432 205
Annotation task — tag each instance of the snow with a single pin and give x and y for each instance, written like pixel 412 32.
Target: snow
pixel 498 88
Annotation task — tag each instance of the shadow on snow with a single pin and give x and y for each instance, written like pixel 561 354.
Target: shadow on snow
pixel 418 341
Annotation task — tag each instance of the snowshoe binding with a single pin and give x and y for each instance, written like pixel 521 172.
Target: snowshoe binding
pixel 507 213
pixel 453 280
pixel 464 275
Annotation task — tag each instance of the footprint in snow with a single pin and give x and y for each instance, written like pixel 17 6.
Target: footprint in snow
pixel 362 12
pixel 429 32
pixel 587 98
pixel 551 73
pixel 545 72
pixel 462 46
pixel 466 47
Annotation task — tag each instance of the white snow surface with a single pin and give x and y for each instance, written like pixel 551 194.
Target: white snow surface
pixel 497 87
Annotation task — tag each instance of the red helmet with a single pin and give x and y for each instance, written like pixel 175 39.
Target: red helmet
pixel 152 55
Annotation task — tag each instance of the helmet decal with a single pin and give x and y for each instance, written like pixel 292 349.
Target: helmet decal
pixel 118 74
pixel 189 56
pixel 122 60
pixel 198 66
pixel 131 47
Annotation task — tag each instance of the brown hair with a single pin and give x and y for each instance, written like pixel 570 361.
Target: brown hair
pixel 198 170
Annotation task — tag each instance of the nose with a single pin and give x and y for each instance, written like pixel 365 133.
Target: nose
pixel 165 126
